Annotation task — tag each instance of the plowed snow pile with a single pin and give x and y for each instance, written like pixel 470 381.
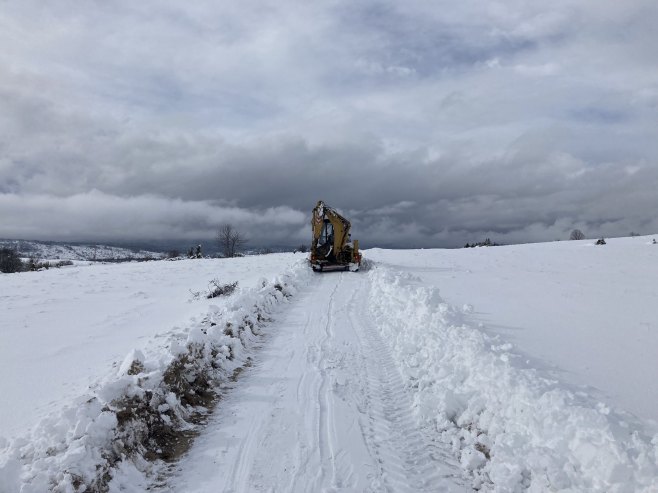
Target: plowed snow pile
pixel 544 377
pixel 511 427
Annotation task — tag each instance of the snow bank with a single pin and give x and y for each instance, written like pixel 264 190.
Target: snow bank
pixel 511 428
pixel 586 315
pixel 110 439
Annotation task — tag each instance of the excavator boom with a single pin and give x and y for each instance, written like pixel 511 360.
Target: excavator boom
pixel 332 247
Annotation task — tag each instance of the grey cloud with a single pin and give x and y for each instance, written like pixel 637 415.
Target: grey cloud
pixel 96 215
pixel 398 36
pixel 429 124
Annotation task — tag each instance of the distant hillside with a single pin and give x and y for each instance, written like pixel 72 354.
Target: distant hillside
pixel 64 251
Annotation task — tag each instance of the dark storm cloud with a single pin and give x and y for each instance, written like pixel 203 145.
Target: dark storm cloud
pixel 428 124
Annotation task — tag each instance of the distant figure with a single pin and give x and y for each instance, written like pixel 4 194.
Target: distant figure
pixel 654 241
pixel 198 251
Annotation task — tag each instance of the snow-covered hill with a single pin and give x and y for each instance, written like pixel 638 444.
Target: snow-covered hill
pixel 527 367
pixel 64 251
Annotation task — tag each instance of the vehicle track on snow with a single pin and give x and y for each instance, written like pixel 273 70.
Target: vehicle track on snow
pixel 409 461
pixel 322 409
pixel 327 459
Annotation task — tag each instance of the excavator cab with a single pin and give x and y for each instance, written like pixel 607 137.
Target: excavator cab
pixel 325 242
pixel 332 247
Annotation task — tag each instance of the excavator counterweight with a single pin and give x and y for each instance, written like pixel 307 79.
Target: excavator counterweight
pixel 332 247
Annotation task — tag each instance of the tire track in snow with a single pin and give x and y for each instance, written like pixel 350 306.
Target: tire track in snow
pixel 323 399
pixel 311 389
pixel 240 473
pixel 323 409
pixel 407 460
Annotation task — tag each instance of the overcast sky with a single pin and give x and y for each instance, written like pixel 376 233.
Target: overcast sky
pixel 428 123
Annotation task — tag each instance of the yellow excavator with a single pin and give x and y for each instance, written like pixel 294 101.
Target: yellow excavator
pixel 332 247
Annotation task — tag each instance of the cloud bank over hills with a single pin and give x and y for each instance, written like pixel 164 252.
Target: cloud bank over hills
pixel 427 124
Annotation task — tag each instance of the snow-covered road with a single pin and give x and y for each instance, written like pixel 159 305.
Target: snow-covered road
pixel 323 408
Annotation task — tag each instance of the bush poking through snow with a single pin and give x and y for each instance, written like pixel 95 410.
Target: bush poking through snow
pixel 600 241
pixel 35 265
pixel 216 289
pixel 135 368
pixel 153 422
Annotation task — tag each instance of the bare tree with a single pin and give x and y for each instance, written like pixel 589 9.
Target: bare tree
pixel 230 240
pixel 576 234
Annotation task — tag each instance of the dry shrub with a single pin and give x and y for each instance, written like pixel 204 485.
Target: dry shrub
pixel 216 289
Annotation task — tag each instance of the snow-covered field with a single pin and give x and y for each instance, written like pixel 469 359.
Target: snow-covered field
pixel 62 330
pixel 514 368
pixel 583 314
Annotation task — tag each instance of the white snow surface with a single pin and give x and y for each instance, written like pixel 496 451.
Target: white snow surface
pixel 323 408
pixel 63 329
pixel 519 368
pixel 586 315
pixel 514 428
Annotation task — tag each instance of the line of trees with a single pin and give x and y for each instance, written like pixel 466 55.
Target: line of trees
pixel 11 262
pixel 485 243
